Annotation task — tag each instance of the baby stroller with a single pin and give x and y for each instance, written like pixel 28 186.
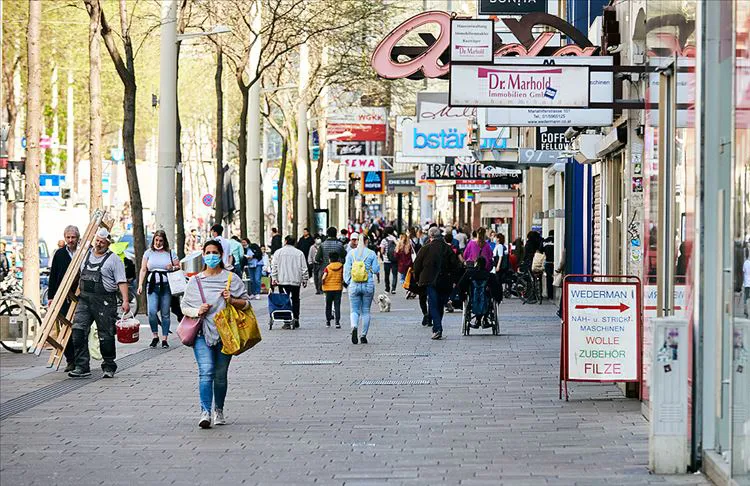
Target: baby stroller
pixel 280 309
pixel 480 308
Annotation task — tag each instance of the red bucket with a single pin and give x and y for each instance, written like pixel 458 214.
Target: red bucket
pixel 128 330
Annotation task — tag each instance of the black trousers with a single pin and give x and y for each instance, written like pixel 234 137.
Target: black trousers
pixel 317 275
pixel 549 270
pixel 423 303
pixel 333 300
pixel 390 269
pixel 293 292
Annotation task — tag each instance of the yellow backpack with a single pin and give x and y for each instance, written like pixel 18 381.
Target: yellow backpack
pixel 360 272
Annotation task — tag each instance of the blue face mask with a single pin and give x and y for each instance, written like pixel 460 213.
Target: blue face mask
pixel 212 261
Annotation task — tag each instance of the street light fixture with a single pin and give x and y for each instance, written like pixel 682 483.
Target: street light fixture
pixel 218 29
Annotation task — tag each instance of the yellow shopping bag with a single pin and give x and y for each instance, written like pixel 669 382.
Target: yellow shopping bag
pixel 238 330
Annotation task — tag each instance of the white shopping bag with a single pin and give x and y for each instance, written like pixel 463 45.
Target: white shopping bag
pixel 177 282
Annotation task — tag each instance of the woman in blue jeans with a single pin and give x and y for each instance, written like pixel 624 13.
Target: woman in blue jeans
pixel 360 293
pixel 206 295
pixel 254 266
pixel 157 261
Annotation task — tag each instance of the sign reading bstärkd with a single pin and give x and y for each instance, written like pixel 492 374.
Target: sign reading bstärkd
pixel 602 331
pixel 446 138
pixel 512 7
pixel 519 86
pixel 471 40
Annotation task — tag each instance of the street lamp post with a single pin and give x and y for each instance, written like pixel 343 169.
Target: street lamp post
pixel 166 167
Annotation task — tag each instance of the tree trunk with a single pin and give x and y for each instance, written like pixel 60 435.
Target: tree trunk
pixel 282 173
pixel 33 154
pixel 219 197
pixel 180 212
pixel 295 197
pixel 95 116
pixel 9 71
pixel 318 178
pixel 242 146
pixel 310 216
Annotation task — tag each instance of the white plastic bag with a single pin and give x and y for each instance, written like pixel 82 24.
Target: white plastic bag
pixel 94 350
pixel 177 282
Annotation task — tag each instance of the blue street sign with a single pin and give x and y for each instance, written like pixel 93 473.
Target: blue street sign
pixel 49 184
pixel 276 190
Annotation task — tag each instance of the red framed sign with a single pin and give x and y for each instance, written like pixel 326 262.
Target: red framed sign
pixel 601 331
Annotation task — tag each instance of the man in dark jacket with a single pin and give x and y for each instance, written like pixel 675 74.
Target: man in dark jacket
pixel 436 268
pixel 304 245
pixel 60 263
pixel 549 262
pixel 275 240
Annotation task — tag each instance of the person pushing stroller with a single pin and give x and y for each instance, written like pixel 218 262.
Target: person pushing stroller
pixel 477 279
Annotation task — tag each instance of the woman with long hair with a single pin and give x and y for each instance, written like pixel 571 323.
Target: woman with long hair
pixel 477 247
pixel 404 254
pixel 205 296
pixel 157 261
pixel 361 285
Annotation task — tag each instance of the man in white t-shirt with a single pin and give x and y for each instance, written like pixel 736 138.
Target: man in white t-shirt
pixel 746 281
pixel 216 231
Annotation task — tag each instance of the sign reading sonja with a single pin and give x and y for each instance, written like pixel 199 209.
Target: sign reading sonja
pixel 471 40
pixel 447 138
pixel 602 331
pixel 513 7
pixel 361 164
pixel 537 86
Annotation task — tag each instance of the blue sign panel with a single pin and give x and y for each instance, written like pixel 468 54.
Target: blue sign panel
pixel 49 184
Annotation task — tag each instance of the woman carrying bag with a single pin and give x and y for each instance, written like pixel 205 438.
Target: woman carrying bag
pixel 205 296
pixel 157 261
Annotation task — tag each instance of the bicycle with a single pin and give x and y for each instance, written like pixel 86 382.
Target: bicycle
pixel 10 306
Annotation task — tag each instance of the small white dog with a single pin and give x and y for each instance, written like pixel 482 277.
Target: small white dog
pixel 384 302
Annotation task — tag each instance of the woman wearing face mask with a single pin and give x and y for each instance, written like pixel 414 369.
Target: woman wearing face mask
pixel 205 301
pixel 157 261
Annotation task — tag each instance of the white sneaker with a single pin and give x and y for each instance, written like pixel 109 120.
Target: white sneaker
pixel 257 297
pixel 205 422
pixel 219 417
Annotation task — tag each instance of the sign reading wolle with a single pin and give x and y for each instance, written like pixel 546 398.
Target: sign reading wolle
pixel 602 320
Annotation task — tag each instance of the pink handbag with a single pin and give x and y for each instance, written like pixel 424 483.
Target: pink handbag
pixel 189 326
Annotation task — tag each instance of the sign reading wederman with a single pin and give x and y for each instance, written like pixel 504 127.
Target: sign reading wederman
pixel 459 171
pixel 513 7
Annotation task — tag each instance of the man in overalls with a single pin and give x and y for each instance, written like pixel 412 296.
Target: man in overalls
pixel 102 276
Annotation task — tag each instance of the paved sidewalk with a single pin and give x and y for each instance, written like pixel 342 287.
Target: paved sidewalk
pixel 472 410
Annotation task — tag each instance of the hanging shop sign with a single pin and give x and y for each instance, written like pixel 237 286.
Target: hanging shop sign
pixel 361 164
pixel 473 185
pixel 600 90
pixel 552 138
pixel 471 40
pixel 337 185
pixel 459 171
pixel 358 124
pixel 400 158
pixel 350 148
pixel 512 7
pixel 401 180
pixel 540 158
pixel 373 183
pixel 521 85
pixel 433 59
pixel 446 138
pixel 602 331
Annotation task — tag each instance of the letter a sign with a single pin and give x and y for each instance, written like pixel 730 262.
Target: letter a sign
pixel 361 163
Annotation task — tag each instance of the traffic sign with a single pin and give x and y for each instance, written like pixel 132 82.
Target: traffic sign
pixel 49 184
pixel 208 200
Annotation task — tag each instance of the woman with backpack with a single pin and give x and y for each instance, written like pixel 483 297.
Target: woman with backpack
pixel 361 264
pixel 479 247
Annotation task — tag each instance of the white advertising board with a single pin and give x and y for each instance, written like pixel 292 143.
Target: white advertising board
pixel 601 90
pixel 557 86
pixel 602 337
pixel 471 40
pixel 400 158
pixel 446 138
pixel 361 164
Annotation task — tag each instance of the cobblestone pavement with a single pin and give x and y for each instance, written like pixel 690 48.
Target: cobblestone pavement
pixel 471 410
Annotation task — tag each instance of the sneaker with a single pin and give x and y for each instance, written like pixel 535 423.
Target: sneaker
pixel 154 342
pixel 328 323
pixel 354 336
pixel 426 321
pixel 286 326
pixel 205 422
pixel 393 292
pixel 449 307
pixel 79 373
pixel 164 344
pixel 437 335
pixel 219 417
pixel 70 367
pixel 363 339
pixel 338 325
pixel 257 297
pixel 295 323
pixel 108 374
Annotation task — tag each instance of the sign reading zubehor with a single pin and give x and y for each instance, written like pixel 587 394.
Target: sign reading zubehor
pixel 519 86
pixel 445 138
pixel 471 40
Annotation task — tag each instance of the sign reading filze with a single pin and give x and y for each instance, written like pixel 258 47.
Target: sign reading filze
pixel 537 86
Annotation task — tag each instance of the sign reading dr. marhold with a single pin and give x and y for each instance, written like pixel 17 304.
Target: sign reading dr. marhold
pixel 602 338
pixel 471 40
pixel 521 85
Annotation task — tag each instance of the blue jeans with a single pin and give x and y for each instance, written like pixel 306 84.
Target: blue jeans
pixel 360 300
pixel 212 373
pixel 437 301
pixel 158 303
pixel 255 275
